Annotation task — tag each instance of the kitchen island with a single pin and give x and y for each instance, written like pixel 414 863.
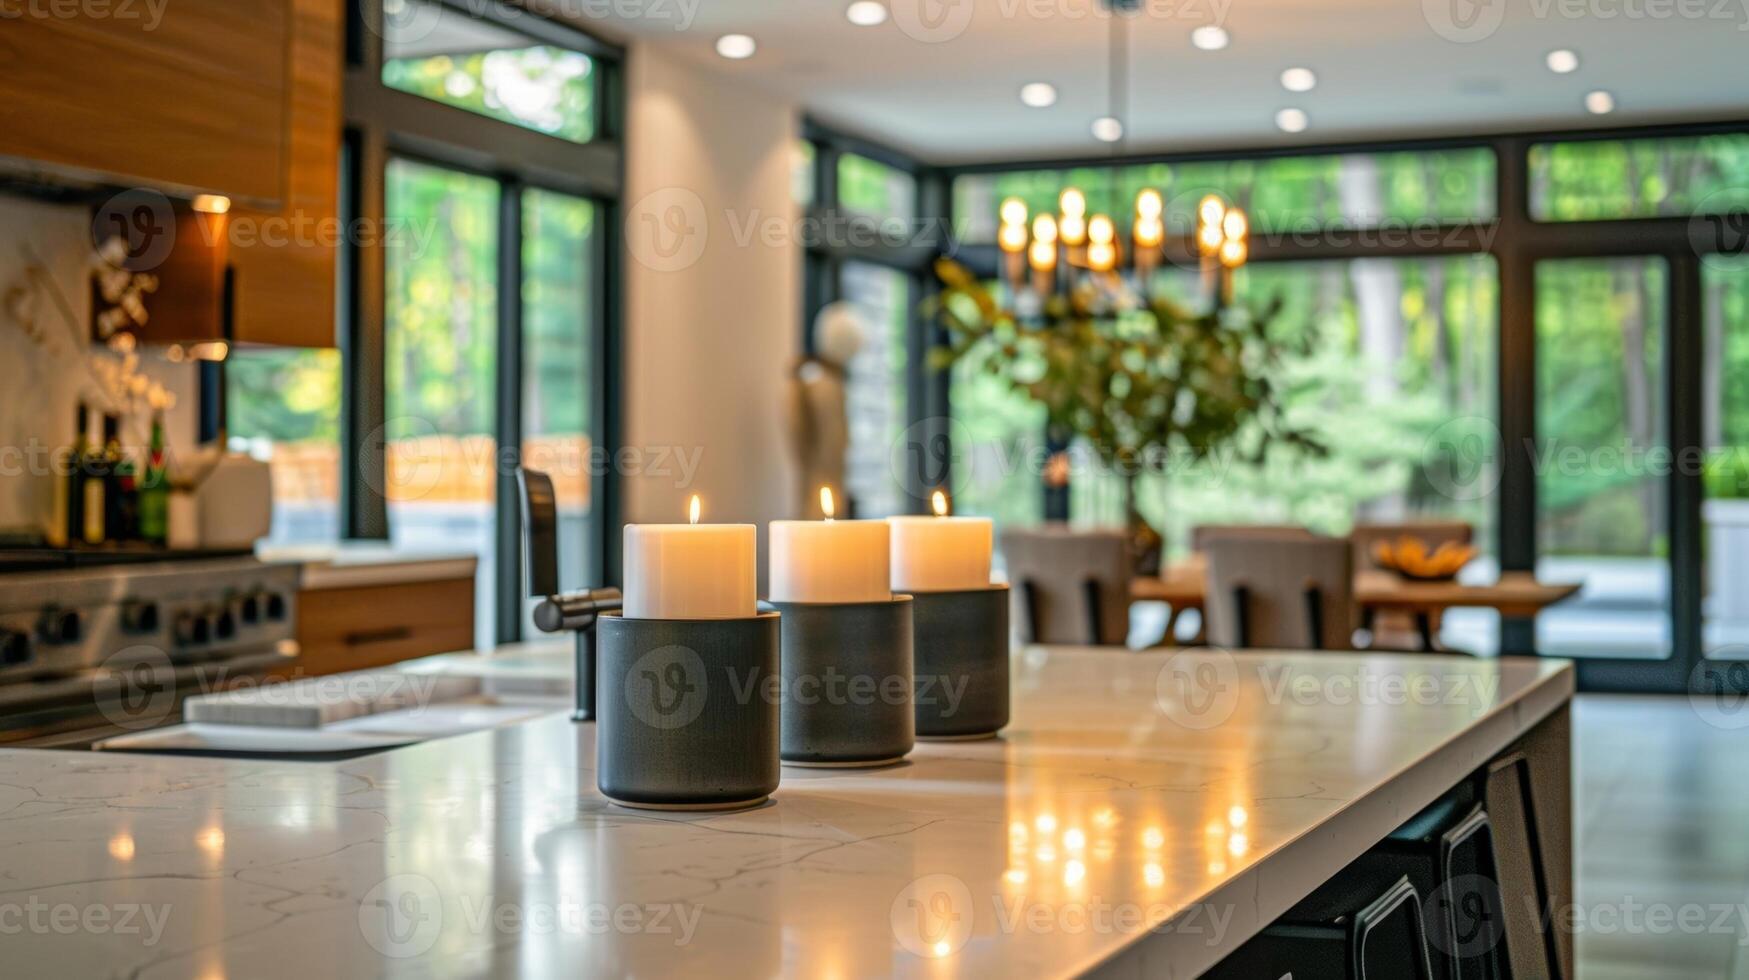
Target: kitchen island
pixel 1144 814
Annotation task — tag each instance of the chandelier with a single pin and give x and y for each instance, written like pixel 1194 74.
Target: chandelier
pixel 1058 254
pixel 1078 257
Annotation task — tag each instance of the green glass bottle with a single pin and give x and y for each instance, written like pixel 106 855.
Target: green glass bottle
pixel 155 487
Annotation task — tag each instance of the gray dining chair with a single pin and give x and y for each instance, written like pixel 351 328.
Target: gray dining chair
pixel 1069 585
pixel 1290 592
pixel 1202 534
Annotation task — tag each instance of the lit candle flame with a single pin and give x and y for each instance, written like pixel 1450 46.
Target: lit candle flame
pixel 939 502
pixel 826 502
pixel 695 508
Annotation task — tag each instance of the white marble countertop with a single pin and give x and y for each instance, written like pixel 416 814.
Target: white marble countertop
pixel 1144 813
pixel 351 564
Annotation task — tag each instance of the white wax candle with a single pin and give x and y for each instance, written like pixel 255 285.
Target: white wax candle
pixel 941 554
pixel 691 571
pixel 829 561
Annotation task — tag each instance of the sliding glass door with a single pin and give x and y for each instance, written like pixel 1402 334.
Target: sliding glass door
pixel 1602 456
pixel 1724 387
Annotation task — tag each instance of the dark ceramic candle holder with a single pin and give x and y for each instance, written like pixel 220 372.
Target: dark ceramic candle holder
pixel 847 682
pixel 961 654
pixel 687 714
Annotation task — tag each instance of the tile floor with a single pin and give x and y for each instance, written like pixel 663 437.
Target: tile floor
pixel 1662 811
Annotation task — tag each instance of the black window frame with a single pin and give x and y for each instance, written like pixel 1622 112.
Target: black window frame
pixel 1517 242
pixel 382 123
pixel 824 257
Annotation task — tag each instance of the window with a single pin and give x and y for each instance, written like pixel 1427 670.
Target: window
pixel 438 53
pixel 998 440
pixel 875 190
pixel 283 406
pixel 875 396
pixel 441 350
pixel 1354 190
pixel 557 246
pixel 1600 326
pixel 1643 178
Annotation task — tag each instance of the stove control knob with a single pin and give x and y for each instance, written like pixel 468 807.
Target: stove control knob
pixel 138 616
pixel 14 647
pixel 273 604
pixel 189 630
pixel 222 623
pixel 249 608
pixel 58 626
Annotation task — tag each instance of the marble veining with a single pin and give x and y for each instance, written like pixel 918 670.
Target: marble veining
pixel 1143 813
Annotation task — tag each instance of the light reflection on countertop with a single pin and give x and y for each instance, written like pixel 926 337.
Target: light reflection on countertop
pixel 1126 812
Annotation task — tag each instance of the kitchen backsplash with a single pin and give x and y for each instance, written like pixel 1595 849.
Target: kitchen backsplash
pixel 46 362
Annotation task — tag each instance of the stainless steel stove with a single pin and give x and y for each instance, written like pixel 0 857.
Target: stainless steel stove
pixel 100 643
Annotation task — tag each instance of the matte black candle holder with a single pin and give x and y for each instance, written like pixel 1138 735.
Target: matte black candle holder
pixel 687 712
pixel 961 657
pixel 847 683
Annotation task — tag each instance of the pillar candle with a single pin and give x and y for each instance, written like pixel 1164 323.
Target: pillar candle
pixel 829 560
pixel 941 553
pixel 691 571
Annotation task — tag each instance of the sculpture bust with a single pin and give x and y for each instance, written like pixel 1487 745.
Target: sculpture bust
pixel 819 419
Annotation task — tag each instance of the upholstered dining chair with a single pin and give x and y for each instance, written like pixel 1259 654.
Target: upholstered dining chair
pixel 1069 585
pixel 1292 592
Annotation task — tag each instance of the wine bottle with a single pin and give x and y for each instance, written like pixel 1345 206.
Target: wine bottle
pixel 96 494
pixel 74 481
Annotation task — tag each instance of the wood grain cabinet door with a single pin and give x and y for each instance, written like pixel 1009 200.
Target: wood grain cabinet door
pixel 284 260
pixel 184 95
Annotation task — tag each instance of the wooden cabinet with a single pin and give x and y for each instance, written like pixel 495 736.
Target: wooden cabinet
pixel 199 97
pixel 187 96
pixel 363 626
pixel 284 260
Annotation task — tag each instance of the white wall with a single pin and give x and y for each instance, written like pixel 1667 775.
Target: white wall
pixel 43 377
pixel 713 290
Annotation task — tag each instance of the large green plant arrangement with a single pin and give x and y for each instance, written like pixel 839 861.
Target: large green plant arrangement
pixel 1144 382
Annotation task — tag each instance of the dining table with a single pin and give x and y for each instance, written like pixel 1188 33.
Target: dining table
pixel 1183 584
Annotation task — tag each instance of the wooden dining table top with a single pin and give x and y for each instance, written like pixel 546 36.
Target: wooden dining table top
pixel 1183 584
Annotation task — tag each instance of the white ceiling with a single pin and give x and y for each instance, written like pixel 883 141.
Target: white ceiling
pixel 941 78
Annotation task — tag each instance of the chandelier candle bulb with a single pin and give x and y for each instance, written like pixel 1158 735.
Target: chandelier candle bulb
pixel 830 560
pixel 691 571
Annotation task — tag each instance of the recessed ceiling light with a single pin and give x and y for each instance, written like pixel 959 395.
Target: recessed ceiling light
pixel 1291 120
pixel 866 13
pixel 1209 37
pixel 1298 79
pixel 1038 94
pixel 1561 61
pixel 1107 129
pixel 736 46
pixel 1600 102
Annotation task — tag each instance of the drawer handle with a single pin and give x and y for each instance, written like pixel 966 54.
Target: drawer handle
pixel 388 634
